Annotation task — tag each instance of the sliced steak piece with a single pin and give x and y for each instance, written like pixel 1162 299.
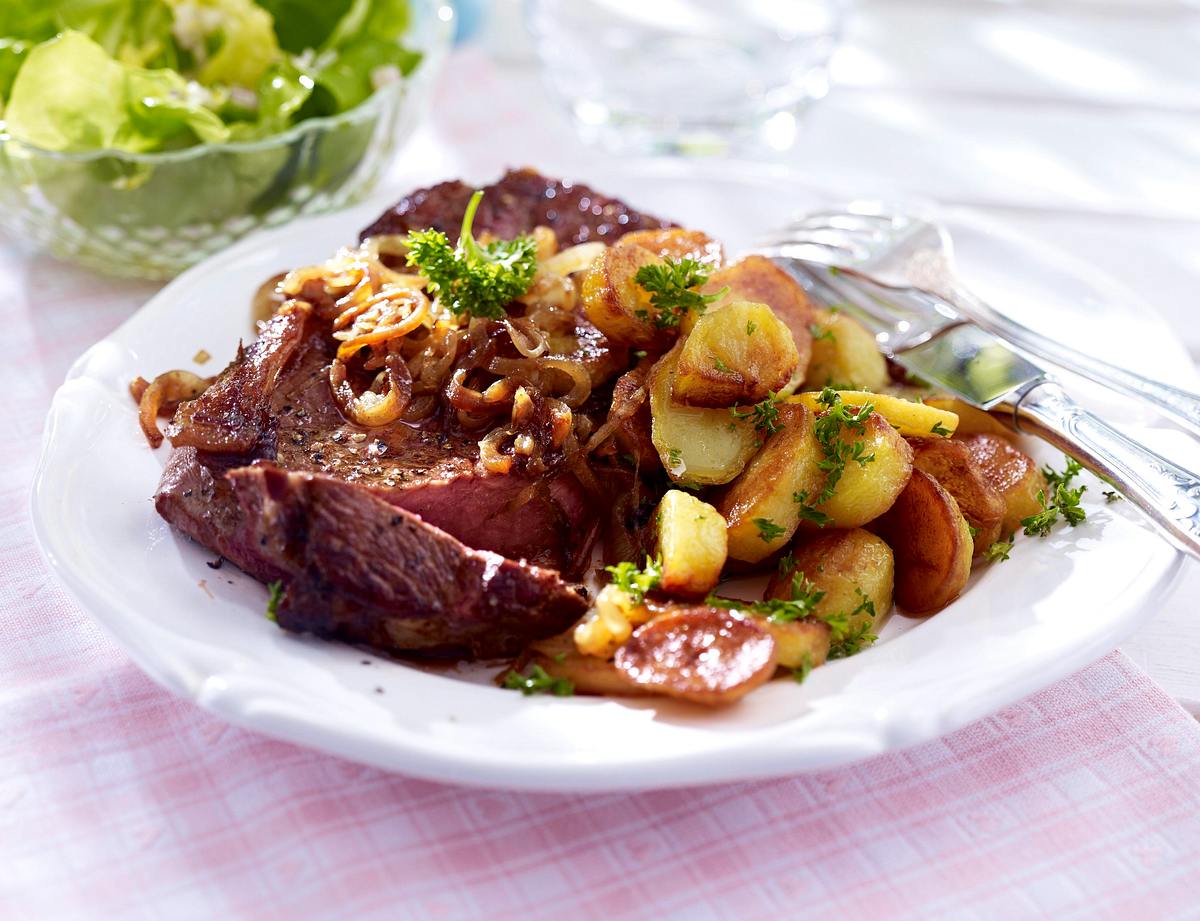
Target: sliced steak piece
pixel 360 570
pixel 521 200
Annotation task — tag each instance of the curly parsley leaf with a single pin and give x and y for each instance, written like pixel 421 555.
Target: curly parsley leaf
pixel 273 601
pixel 538 681
pixel 940 430
pixel 999 551
pixel 768 530
pixel 805 598
pixel 764 415
pixel 672 287
pixel 808 511
pixel 821 332
pixel 473 279
pixel 830 426
pixel 1063 501
pixel 637 582
pixel 1111 496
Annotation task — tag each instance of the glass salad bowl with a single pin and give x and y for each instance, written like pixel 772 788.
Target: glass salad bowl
pixel 151 215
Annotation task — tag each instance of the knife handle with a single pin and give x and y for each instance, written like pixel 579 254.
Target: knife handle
pixel 1181 405
pixel 1167 493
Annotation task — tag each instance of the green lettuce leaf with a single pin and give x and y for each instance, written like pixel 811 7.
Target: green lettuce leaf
pixel 71 95
pixel 232 41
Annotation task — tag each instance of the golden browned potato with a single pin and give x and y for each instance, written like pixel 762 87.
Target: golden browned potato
pixel 931 543
pixel 609 622
pixel 850 566
pixel 866 491
pixel 735 356
pixel 695 445
pixel 800 643
pixel 844 354
pixel 691 544
pixel 907 417
pixel 758 279
pixel 677 243
pixel 971 420
pixel 760 505
pixel 707 655
pixel 589 674
pixel 951 464
pixel 1012 472
pixel 616 304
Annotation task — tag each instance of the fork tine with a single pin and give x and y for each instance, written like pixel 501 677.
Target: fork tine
pixel 829 251
pixel 822 288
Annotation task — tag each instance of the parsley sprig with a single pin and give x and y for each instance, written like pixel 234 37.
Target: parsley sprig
pixel 764 414
pixel 672 287
pixel 1063 501
pixel 273 601
pixel 636 583
pixel 829 428
pixel 473 279
pixel 538 681
pixel 768 530
pixel 805 598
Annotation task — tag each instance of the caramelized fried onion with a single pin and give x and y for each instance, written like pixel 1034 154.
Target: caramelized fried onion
pixel 161 396
pixel 383 403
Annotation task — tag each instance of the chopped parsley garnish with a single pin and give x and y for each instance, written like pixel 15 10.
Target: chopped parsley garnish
pixel 1111 495
pixel 538 681
pixel 675 456
pixel 768 530
pixel 764 414
pixel 805 598
pixel 999 551
pixel 829 428
pixel 1063 501
pixel 821 332
pixel 473 279
pixel 974 531
pixel 809 512
pixel 637 582
pixel 672 288
pixel 721 366
pixel 276 590
pixel 751 326
pixel 939 429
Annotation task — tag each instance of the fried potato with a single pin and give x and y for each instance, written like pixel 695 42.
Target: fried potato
pixel 905 416
pixel 1012 472
pixel 691 542
pixel 971 420
pixel 616 304
pixel 735 356
pixel 844 354
pixel 609 622
pixel 759 506
pixel 849 566
pixel 707 655
pixel 758 279
pixel 953 466
pixel 677 243
pixel 800 643
pixel 589 674
pixel 695 445
pixel 866 491
pixel 931 543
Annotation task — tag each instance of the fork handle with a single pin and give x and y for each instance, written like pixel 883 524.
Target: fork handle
pixel 1167 493
pixel 1172 401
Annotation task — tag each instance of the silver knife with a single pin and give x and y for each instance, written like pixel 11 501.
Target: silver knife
pixel 986 372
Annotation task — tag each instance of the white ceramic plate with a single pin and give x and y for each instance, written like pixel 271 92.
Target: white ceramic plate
pixel 1057 605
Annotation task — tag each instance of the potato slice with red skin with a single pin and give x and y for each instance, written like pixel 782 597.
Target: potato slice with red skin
pixel 707 655
pixel 954 467
pixel 931 543
pixel 760 280
pixel 1012 472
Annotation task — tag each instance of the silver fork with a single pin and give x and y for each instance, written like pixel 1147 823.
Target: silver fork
pixel 907 258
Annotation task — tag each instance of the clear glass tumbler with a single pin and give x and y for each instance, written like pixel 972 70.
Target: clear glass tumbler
pixel 687 76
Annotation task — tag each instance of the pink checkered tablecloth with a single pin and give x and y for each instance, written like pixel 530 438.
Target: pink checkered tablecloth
pixel 120 801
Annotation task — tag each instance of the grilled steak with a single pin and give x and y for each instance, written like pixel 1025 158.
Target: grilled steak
pixel 520 201
pixel 393 536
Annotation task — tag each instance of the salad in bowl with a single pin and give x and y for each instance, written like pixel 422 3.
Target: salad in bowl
pixel 138 136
